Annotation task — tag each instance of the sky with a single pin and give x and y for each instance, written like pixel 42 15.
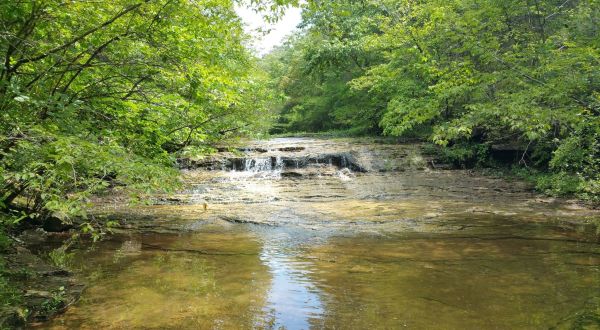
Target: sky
pixel 264 43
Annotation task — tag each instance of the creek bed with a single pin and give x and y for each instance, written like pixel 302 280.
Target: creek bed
pixel 396 242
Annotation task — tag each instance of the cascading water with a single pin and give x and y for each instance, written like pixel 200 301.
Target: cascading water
pixel 311 165
pixel 258 167
pixel 258 164
pixel 279 163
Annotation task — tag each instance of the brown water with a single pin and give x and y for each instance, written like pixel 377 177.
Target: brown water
pixel 319 246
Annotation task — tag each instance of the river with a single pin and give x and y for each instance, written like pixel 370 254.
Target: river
pixel 302 233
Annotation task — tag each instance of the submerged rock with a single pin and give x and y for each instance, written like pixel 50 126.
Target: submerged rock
pixel 56 225
pixel 291 174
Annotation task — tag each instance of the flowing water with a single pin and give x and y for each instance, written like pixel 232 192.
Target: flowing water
pixel 340 234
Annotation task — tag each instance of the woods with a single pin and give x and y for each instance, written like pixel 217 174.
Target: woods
pixel 97 96
pixel 469 76
pixel 107 94
pixel 150 155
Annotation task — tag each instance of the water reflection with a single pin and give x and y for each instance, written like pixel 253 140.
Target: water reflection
pixel 206 280
pixel 453 282
pixel 249 276
pixel 293 300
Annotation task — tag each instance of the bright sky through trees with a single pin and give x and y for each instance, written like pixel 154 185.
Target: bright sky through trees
pixel 254 24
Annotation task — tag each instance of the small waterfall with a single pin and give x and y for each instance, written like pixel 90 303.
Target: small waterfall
pixel 343 162
pixel 267 167
pixel 279 163
pixel 345 174
pixel 275 164
pixel 258 164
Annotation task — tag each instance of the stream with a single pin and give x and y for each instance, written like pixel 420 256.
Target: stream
pixel 302 233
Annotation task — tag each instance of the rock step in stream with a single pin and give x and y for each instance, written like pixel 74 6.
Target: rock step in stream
pixel 270 163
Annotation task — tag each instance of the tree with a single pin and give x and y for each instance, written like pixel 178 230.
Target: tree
pixel 96 95
pixel 319 62
pixel 469 74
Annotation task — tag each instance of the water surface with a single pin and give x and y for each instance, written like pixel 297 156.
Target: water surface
pixel 401 245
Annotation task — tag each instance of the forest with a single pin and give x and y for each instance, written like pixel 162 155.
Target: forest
pixel 98 97
pixel 107 95
pixel 468 76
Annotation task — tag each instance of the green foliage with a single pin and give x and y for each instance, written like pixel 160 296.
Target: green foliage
pixel 5 241
pixel 105 95
pixel 60 257
pixel 55 303
pixel 475 73
pixel 9 294
pixel 313 70
pixel 333 133
pixel 553 184
pixel 559 184
pixel 464 155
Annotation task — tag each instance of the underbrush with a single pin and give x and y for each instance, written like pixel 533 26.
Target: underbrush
pixel 466 155
pixel 9 294
pixel 559 184
pixel 338 133
pixel 555 182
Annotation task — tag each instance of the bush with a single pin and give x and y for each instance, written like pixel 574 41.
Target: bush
pixel 9 295
pixel 463 155
pixel 5 241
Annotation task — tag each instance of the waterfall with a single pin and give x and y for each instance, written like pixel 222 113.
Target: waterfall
pixel 263 166
pixel 258 164
pixel 279 163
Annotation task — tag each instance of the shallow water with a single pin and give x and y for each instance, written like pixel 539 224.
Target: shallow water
pixel 327 248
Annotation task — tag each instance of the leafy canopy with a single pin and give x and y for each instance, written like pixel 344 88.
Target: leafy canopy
pixel 105 94
pixel 460 72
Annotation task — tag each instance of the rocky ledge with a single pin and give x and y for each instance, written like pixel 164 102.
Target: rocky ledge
pixel 230 162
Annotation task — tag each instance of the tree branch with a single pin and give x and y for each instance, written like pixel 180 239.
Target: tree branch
pixel 135 86
pixel 91 58
pixel 76 39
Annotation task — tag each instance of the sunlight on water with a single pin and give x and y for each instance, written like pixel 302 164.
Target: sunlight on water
pixel 292 298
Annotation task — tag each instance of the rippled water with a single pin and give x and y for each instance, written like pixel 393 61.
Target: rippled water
pixel 399 247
